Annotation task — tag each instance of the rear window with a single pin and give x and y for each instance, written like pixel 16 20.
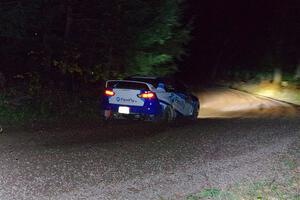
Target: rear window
pixel 127 85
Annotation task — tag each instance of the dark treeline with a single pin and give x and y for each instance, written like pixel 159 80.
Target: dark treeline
pixel 91 40
pixel 231 36
pixel 95 40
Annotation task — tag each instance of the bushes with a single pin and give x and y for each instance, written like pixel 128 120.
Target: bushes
pixel 17 107
pixel 256 76
pixel 12 112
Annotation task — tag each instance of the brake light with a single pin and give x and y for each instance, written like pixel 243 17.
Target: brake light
pixel 109 93
pixel 147 95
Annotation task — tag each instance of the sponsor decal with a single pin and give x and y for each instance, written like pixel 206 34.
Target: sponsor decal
pixel 129 100
pixel 177 100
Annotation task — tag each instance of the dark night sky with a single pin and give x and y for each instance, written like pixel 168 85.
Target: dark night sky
pixel 236 31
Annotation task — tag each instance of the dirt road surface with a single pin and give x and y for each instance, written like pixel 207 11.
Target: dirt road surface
pixel 229 103
pixel 235 139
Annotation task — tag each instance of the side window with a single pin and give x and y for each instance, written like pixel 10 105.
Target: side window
pixel 170 86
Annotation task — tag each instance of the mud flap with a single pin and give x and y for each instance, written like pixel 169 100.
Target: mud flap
pixel 107 114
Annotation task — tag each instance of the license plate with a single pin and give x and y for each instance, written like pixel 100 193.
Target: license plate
pixel 124 110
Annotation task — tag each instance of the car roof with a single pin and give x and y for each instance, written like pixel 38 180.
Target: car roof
pixel 142 77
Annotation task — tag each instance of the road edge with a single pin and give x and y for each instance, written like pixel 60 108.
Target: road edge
pixel 265 97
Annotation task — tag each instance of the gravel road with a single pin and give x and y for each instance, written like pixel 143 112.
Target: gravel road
pixel 222 102
pixel 141 161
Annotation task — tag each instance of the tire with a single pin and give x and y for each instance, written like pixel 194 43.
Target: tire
pixel 168 114
pixel 105 121
pixel 195 113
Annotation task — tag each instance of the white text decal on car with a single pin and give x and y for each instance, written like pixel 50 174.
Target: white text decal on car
pixel 120 99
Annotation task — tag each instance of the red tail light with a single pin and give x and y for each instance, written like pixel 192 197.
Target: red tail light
pixel 147 95
pixel 109 93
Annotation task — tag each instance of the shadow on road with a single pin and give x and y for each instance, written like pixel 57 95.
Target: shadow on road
pixel 95 132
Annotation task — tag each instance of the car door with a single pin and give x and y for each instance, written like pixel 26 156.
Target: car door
pixel 179 98
pixel 186 101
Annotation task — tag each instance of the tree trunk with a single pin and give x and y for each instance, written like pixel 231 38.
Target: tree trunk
pixel 297 72
pixel 69 20
pixel 216 67
pixel 46 40
pixel 277 77
pixel 2 81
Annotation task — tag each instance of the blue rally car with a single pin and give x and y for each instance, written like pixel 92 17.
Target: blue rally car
pixel 148 98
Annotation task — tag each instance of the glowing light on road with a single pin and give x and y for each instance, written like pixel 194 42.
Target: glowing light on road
pixel 227 103
pixel 268 91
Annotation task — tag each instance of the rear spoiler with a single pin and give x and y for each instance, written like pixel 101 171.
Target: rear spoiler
pixel 106 83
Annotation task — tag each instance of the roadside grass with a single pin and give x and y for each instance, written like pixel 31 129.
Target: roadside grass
pixel 15 115
pixel 287 94
pixel 264 190
pixel 260 83
pixel 212 194
pixel 285 187
pixel 45 108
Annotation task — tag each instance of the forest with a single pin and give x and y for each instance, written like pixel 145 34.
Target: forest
pixel 58 51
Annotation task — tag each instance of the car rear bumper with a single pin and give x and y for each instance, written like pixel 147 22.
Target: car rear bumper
pixel 136 112
pixel 133 116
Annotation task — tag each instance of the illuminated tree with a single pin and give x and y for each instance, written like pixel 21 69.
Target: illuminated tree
pixel 93 40
pixel 160 38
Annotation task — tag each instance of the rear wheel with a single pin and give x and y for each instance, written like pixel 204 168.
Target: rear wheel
pixel 104 118
pixel 195 112
pixel 168 114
